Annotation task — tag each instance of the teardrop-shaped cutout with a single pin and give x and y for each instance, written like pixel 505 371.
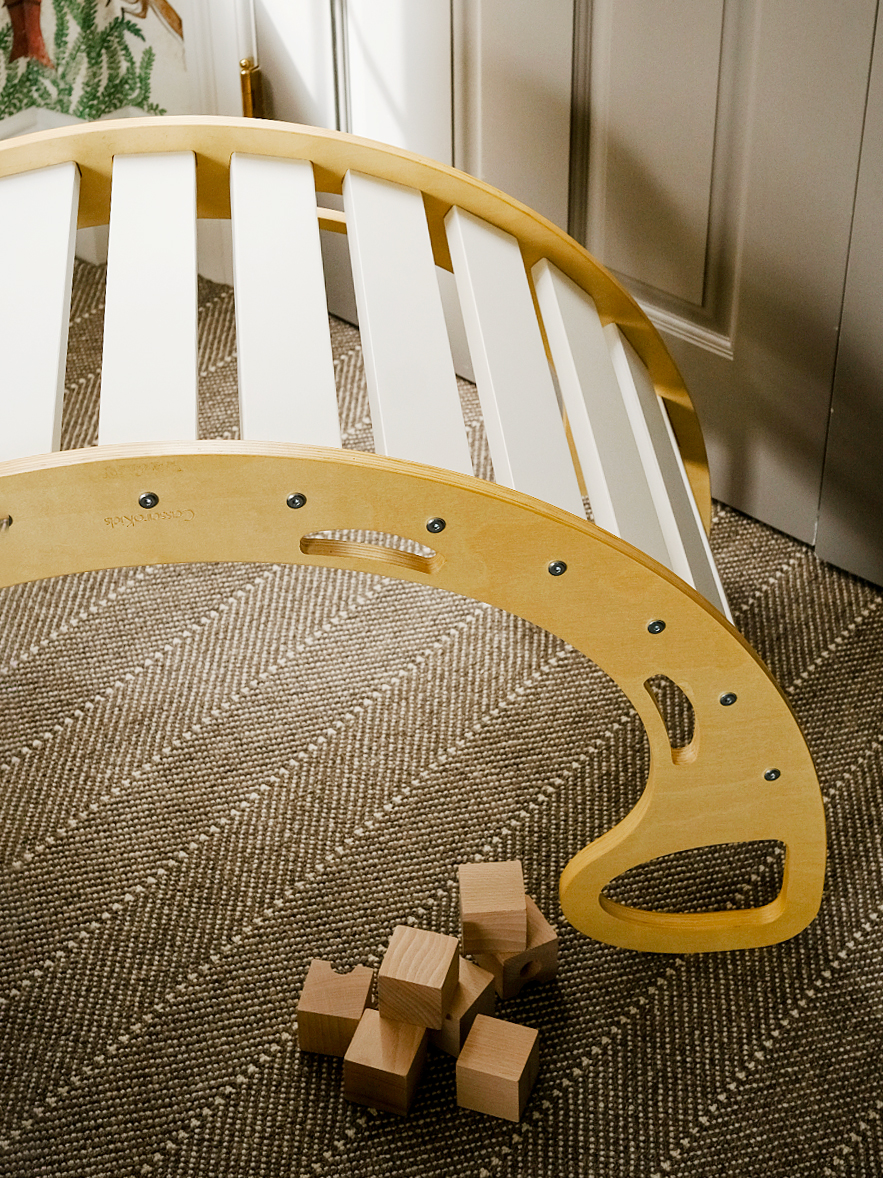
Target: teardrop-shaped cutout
pixel 677 715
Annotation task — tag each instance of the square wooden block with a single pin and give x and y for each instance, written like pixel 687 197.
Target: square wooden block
pixel 382 1064
pixel 493 915
pixel 330 1007
pixel 537 963
pixel 474 995
pixel 497 1067
pixel 417 977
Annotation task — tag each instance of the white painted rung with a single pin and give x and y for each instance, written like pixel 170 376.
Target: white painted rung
pixel 412 389
pixel 602 432
pixel 688 552
pixel 39 211
pixel 149 369
pixel 525 430
pixel 286 372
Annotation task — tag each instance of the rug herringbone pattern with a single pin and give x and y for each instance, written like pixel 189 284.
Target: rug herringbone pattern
pixel 212 773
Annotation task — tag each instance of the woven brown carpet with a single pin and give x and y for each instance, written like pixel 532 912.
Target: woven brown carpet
pixel 212 773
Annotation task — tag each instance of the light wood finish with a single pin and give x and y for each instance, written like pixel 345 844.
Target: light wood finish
pixel 493 913
pixel 40 215
pixel 497 1068
pixel 474 995
pixel 749 775
pixel 383 1062
pixel 418 976
pixel 213 140
pixel 402 326
pixel 148 369
pixel 227 501
pixel 537 963
pixel 525 432
pixel 330 1007
pixel 283 346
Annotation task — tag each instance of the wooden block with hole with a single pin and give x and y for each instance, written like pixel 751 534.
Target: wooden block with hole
pixel 418 976
pixel 383 1062
pixel 474 995
pixel 330 1007
pixel 493 914
pixel 537 963
pixel 497 1067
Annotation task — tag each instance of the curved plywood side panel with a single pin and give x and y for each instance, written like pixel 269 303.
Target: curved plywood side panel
pixel 748 775
pixel 213 140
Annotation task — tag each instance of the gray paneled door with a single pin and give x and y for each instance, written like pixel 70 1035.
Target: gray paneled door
pixel 725 138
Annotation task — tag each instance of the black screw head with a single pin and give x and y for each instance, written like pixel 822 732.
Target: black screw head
pixel 296 500
pixel 557 568
pixel 148 500
pixel 728 698
pixel 772 774
pixel 436 524
pixel 656 626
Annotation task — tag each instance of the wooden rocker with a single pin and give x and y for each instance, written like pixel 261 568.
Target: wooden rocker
pixel 636 590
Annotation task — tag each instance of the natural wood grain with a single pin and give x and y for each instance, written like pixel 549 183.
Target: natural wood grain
pixel 474 995
pixel 330 1007
pixel 497 1068
pixel 493 913
pixel 383 1062
pixel 537 963
pixel 227 501
pixel 418 976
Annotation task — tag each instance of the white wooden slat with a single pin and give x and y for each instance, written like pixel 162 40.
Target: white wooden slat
pixel 286 372
pixel 689 554
pixel 412 389
pixel 524 426
pixel 39 210
pixel 149 368
pixel 619 493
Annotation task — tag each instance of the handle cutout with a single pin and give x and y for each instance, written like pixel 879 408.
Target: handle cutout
pixel 384 547
pixel 720 877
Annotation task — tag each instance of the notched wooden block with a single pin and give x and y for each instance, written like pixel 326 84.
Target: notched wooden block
pixel 474 995
pixel 330 1007
pixel 418 976
pixel 382 1064
pixel 493 916
pixel 497 1067
pixel 537 963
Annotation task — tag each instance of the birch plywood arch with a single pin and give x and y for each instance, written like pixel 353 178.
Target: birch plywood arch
pixel 748 774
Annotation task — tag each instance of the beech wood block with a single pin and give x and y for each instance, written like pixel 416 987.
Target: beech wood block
pixel 537 963
pixel 330 1007
pixel 382 1064
pixel 497 1067
pixel 474 995
pixel 418 976
pixel 493 915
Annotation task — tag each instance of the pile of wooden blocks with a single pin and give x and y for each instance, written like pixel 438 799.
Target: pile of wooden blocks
pixel 428 993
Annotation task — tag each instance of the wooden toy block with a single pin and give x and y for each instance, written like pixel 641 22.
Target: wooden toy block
pixel 418 976
pixel 382 1064
pixel 497 1067
pixel 330 1007
pixel 493 915
pixel 474 995
pixel 537 963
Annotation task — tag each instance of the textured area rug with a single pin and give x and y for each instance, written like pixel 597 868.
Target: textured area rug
pixel 211 774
